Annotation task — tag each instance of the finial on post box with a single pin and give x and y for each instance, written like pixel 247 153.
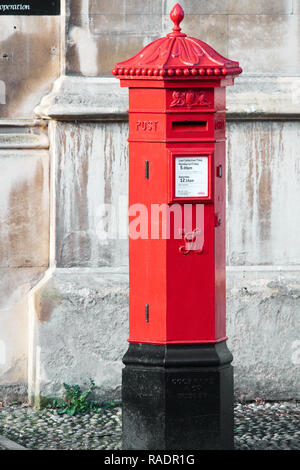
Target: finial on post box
pixel 176 15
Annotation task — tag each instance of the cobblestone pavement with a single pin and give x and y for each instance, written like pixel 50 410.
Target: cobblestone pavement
pixel 267 426
pixel 257 426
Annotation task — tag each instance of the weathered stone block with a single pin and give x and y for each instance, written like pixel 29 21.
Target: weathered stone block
pixel 107 23
pixel 29 61
pixel 209 28
pixel 229 7
pixel 81 329
pixel 16 284
pixel 263 192
pixel 146 7
pixel 24 209
pixel 251 40
pixel 296 7
pixel 106 7
pixel 91 195
pixel 95 54
pixel 79 6
pixel 264 332
pixel 121 25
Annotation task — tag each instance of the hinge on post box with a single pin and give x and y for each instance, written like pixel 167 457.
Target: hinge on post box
pixel 217 220
pixel 147 313
pixel 147 169
pixel 219 171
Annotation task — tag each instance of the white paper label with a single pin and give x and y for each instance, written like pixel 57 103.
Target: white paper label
pixel 191 177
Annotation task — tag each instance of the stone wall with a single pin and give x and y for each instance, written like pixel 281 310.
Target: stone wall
pixel 30 62
pixel 63 156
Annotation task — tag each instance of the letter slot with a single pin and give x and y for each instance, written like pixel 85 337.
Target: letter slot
pixel 189 126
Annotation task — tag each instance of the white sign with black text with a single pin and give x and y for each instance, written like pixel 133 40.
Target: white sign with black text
pixel 191 176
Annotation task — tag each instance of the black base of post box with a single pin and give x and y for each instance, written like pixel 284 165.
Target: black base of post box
pixel 177 397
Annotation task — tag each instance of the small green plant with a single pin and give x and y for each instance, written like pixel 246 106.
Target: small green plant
pixel 77 402
pixel 108 404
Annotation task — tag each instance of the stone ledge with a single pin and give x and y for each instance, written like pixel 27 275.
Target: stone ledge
pixel 265 97
pixel 86 98
pixel 23 141
pixel 89 98
pixel 23 134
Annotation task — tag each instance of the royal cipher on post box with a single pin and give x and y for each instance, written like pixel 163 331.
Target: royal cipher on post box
pixel 177 383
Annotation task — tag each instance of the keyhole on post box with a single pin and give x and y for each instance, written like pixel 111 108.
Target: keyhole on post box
pixel 147 169
pixel 219 171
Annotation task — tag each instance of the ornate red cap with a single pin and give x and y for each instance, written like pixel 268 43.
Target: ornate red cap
pixel 176 56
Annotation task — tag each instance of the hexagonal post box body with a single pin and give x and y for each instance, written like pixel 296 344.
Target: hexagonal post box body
pixel 177 246
pixel 181 125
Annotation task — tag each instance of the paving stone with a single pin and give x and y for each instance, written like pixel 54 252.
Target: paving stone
pixel 258 426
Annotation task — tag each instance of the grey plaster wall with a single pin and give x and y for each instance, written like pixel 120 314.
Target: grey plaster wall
pixel 30 62
pixel 263 190
pixel 24 257
pixel 82 328
pixel 262 35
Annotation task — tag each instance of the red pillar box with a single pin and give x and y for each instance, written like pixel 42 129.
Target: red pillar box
pixel 177 383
